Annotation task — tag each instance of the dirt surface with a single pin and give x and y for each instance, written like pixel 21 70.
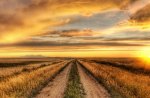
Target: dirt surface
pixel 56 88
pixel 92 88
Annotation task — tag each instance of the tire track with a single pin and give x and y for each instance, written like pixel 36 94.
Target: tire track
pixel 56 88
pixel 91 87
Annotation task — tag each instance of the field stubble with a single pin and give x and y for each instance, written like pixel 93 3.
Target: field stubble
pixel 129 85
pixel 27 84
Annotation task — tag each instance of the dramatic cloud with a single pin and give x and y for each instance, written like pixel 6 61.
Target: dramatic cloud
pixel 143 15
pixel 69 33
pixel 97 21
pixel 30 17
pixel 47 25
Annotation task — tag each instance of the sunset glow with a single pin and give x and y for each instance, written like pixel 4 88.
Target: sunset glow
pixel 80 28
pixel 74 48
pixel 145 56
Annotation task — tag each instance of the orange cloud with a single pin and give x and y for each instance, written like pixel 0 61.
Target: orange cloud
pixel 22 20
pixel 142 15
pixel 31 17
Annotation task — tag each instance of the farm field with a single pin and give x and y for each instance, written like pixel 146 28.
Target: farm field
pixel 121 80
pixel 75 78
pixel 74 48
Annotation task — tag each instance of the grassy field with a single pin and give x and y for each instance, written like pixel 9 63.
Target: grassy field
pixel 29 83
pixel 6 72
pixel 120 83
pixel 131 64
pixel 17 62
pixel 120 77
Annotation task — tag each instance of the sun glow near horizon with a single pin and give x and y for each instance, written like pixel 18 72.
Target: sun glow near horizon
pixel 92 28
pixel 144 57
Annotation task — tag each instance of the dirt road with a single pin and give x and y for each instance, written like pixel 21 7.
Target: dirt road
pixel 56 88
pixel 92 88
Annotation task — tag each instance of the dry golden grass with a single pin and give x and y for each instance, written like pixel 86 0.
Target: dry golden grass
pixel 9 71
pixel 128 63
pixel 27 84
pixel 5 71
pixel 128 84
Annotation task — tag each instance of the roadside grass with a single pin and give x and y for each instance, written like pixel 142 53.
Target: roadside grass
pixel 24 63
pixel 74 88
pixel 119 81
pixel 134 68
pixel 28 84
pixel 6 73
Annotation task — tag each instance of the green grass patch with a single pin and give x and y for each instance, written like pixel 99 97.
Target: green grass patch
pixel 74 88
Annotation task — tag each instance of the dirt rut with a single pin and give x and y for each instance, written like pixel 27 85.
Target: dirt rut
pixel 56 88
pixel 92 88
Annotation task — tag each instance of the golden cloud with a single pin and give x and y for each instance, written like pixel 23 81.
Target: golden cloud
pixel 30 17
pixel 142 15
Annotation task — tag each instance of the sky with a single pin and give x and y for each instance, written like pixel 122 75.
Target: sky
pixel 74 28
